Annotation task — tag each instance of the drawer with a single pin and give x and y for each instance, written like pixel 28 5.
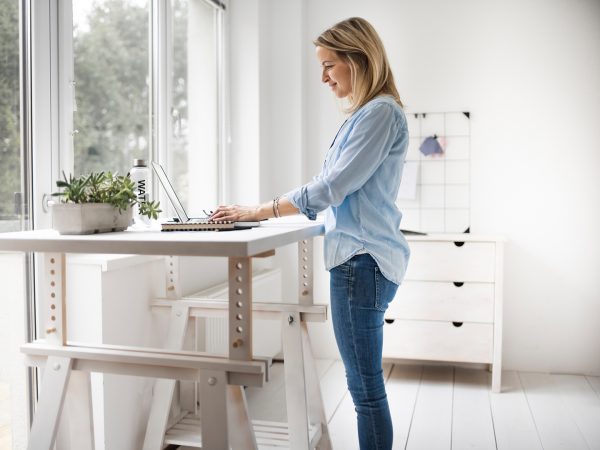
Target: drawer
pixel 447 261
pixel 446 301
pixel 439 341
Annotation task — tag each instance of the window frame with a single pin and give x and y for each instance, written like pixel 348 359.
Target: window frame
pixel 161 91
pixel 60 134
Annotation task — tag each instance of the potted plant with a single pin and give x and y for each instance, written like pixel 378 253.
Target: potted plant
pixel 97 203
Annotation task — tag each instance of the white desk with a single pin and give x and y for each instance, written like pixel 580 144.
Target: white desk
pixel 222 377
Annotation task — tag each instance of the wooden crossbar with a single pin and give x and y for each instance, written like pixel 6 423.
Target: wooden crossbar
pixel 208 307
pixel 152 363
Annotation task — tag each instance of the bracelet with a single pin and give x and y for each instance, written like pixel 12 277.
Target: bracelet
pixel 277 206
pixel 274 213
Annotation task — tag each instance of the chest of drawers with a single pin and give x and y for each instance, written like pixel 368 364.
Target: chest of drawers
pixel 449 307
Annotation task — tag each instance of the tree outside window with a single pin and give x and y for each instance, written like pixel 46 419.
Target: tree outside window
pixel 10 157
pixel 112 74
pixel 111 63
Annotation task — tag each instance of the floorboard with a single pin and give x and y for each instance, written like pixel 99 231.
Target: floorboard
pixel 583 405
pixel 333 388
pixel 472 424
pixel 595 383
pixel 432 421
pixel 513 423
pixel 555 426
pixel 323 365
pixel 402 389
pixel 342 427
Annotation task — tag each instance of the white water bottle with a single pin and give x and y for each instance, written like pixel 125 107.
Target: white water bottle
pixel 140 175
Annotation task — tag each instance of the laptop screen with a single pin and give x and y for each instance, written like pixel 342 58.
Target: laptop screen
pixel 166 184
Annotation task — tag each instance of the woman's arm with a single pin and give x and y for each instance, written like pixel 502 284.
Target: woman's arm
pixel 368 144
pixel 263 211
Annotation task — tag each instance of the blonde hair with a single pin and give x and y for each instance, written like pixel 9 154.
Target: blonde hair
pixel 357 43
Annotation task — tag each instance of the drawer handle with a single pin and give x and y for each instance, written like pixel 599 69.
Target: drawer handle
pixel 389 320
pixel 458 283
pixel 457 324
pixel 459 243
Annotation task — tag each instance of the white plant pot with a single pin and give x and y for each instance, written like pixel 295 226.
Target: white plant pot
pixel 89 218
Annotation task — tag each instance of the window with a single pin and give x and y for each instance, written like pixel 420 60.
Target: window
pixel 10 153
pixel 121 112
pixel 115 55
pixel 111 65
pixel 11 207
pixel 192 153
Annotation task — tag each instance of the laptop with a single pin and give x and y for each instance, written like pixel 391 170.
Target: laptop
pixel 184 222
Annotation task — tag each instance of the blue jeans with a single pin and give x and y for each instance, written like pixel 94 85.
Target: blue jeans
pixel 360 294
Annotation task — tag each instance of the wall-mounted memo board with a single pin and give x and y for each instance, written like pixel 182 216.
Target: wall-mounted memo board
pixel 439 197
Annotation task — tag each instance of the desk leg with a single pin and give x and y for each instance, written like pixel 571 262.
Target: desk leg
pixel 295 393
pixel 316 407
pixel 53 290
pixel 172 280
pixel 213 409
pixel 240 309
pixel 241 432
pixel 305 272
pixel 76 427
pixel 50 404
pixel 164 389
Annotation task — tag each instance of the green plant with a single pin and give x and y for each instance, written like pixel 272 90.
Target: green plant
pixel 104 187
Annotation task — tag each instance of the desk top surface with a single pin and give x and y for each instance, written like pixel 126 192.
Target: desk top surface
pixel 271 234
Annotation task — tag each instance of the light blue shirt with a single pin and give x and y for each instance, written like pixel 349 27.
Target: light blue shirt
pixel 358 187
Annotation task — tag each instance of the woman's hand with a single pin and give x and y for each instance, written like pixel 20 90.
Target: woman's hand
pixel 236 213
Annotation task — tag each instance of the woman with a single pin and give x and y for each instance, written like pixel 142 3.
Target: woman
pixel 364 250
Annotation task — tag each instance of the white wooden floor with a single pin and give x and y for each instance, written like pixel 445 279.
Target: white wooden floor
pixel 446 407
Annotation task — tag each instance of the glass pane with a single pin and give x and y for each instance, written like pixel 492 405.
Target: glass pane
pixel 10 185
pixel 10 156
pixel 192 153
pixel 111 63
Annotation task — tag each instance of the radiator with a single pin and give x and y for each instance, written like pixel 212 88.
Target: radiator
pixel 212 334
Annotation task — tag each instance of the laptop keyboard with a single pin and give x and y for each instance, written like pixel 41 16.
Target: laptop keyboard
pixel 206 220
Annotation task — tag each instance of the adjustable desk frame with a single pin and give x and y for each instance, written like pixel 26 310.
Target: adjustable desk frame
pixel 67 365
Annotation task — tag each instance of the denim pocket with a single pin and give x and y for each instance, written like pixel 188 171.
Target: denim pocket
pixel 385 291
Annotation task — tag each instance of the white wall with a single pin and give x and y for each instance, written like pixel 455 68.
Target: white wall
pixel 13 334
pixel 244 149
pixel 529 72
pixel 266 76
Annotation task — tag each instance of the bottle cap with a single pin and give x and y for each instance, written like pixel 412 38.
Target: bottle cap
pixel 139 163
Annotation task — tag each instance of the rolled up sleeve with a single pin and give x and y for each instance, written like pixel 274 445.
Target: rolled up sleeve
pixel 299 198
pixel 368 144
